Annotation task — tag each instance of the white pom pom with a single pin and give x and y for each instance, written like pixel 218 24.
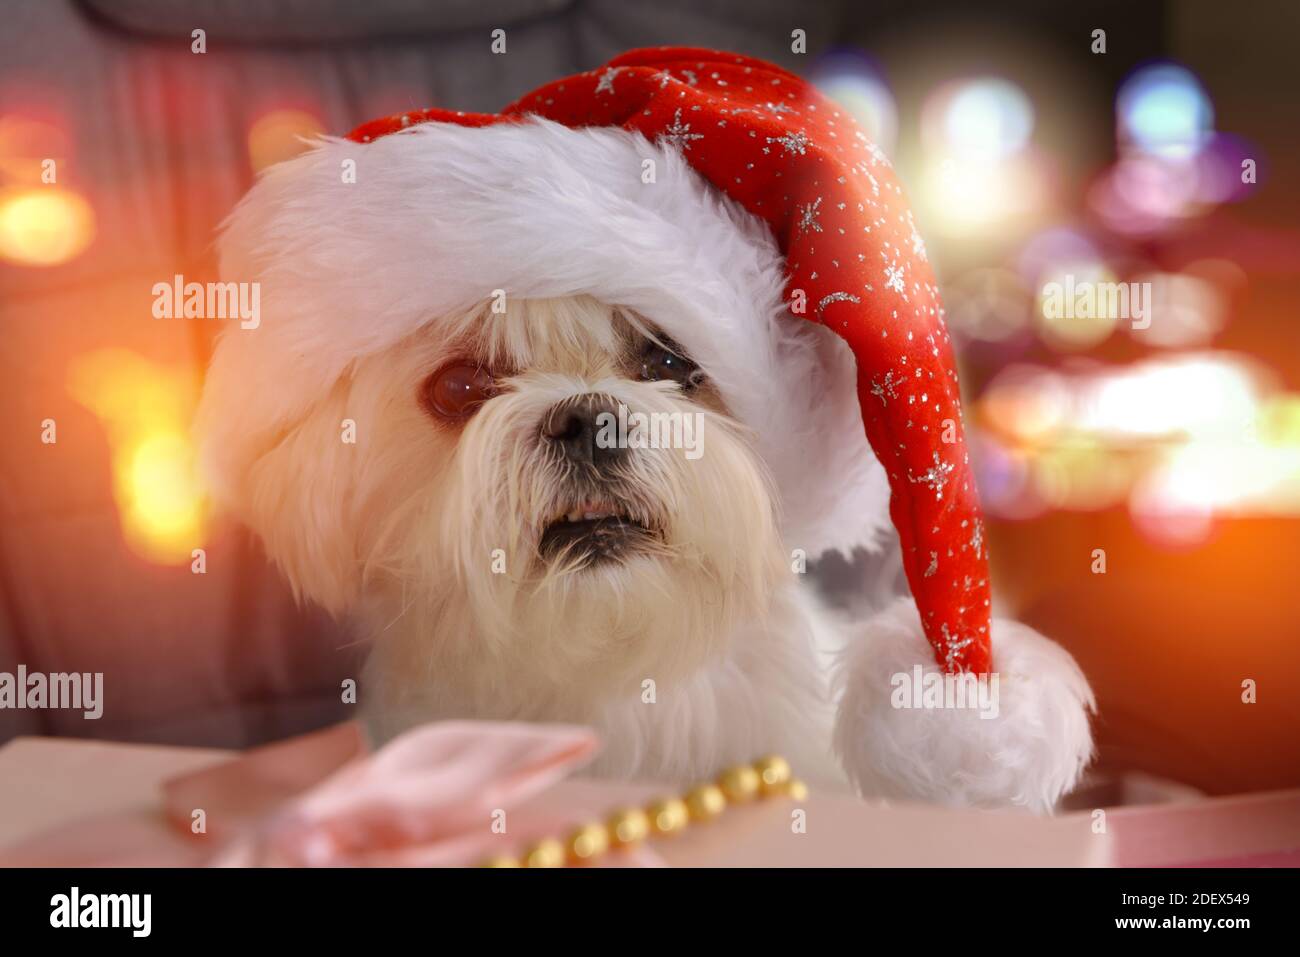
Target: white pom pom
pixel 1030 754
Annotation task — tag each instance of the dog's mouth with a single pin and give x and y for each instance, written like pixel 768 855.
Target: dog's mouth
pixel 595 531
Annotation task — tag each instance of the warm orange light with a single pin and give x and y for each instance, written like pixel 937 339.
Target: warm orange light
pixel 44 226
pixel 1185 439
pixel 145 409
pixel 279 135
pixel 1028 404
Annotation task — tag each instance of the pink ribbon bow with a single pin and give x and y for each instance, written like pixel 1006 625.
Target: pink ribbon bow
pixel 444 794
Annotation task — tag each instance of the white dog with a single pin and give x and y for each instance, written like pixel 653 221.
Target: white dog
pixel 510 563
pixel 522 568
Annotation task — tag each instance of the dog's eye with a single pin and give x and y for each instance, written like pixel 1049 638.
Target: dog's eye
pixel 659 363
pixel 457 390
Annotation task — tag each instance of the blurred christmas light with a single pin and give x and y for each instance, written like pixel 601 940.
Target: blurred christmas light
pixel 1026 404
pixel 980 174
pixel 1050 251
pixel 1080 473
pixel 1141 195
pixel 984 119
pixel 1145 193
pixel 1172 164
pixel 1199 394
pixel 966 196
pixel 1072 330
pixel 1184 440
pixel 1204 479
pixel 1278 421
pixel 1159 189
pixel 1224 274
pixel 1164 110
pixel 1167 511
pixel 44 226
pixel 1186 310
pixel 145 410
pixel 990 304
pixel 280 135
pixel 1219 169
pixel 1007 487
pixel 852 80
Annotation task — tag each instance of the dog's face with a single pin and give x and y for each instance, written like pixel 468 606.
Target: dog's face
pixel 557 490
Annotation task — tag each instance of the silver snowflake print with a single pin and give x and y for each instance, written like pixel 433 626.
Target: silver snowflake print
pixel 777 108
pixel 878 157
pixel 894 277
pixel 834 297
pixel 918 244
pixel 691 78
pixel 808 213
pixel 952 648
pixel 887 387
pixel 977 538
pixel 664 78
pixel 679 134
pixel 934 565
pixel 606 84
pixel 793 143
pixel 935 477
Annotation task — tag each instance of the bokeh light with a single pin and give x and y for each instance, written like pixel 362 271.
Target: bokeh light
pixel 44 226
pixel 1050 252
pixel 1027 404
pixel 1007 486
pixel 852 81
pixel 145 410
pixel 984 119
pixel 1184 440
pixel 1061 318
pixel 1219 169
pixel 989 304
pixel 981 176
pixel 280 135
pixel 1078 473
pixel 967 197
pixel 1186 310
pixel 1196 394
pixel 1167 510
pixel 1164 110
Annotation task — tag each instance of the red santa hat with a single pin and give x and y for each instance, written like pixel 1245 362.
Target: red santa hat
pixel 855 263
pixel 728 201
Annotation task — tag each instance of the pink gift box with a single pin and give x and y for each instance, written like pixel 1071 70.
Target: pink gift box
pixel 50 786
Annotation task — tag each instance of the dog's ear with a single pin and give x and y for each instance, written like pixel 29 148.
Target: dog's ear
pixel 298 496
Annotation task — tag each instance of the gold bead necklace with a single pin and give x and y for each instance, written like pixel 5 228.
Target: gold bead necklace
pixel 666 817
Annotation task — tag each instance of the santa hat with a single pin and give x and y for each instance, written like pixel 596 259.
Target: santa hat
pixel 727 201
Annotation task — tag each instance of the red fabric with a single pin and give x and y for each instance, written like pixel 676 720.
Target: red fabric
pixel 790 156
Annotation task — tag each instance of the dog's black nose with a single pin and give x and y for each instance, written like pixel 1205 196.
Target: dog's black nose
pixel 585 428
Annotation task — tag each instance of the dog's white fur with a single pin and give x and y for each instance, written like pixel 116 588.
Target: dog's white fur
pixel 402 528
